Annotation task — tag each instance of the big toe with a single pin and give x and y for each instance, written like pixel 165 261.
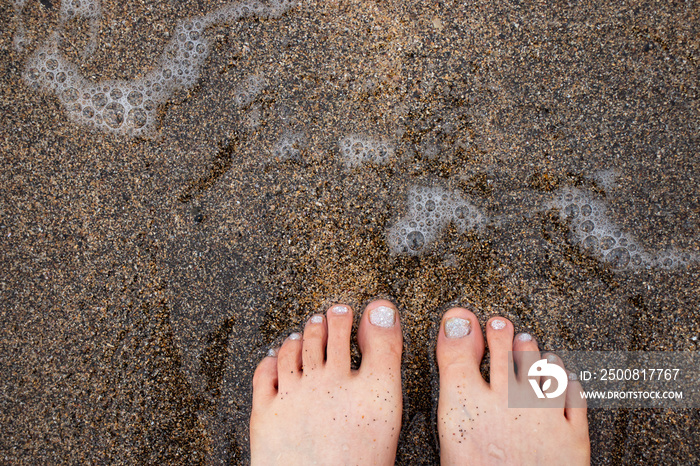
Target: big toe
pixel 380 339
pixel 460 346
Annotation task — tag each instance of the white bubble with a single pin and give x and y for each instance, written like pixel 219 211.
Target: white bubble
pixel 79 8
pixel 246 92
pixel 358 149
pixel 288 146
pixel 592 229
pixel 422 225
pixel 19 5
pixel 129 107
pixel 607 179
pixel 19 40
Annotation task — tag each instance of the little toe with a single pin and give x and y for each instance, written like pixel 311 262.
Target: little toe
pixel 339 324
pixel 265 380
pixel 289 359
pixel 525 354
pixel 379 337
pixel 499 335
pixel 460 347
pixel 314 344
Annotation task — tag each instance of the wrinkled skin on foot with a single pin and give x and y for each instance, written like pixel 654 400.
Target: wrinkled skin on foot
pixel 309 407
pixel 476 426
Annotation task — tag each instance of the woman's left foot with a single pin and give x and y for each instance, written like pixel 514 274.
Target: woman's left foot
pixel 309 407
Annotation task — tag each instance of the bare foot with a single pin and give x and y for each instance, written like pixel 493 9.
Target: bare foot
pixel 309 407
pixel 475 425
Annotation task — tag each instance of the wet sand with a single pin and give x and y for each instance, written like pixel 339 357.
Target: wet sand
pixel 144 277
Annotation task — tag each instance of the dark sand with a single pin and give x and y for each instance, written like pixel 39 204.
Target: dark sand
pixel 143 279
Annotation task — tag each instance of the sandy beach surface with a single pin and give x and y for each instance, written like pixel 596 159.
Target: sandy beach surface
pixel 168 212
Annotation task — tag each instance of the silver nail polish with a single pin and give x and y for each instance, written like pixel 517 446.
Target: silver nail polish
pixel 382 316
pixel 498 324
pixel 524 337
pixel 551 358
pixel 316 319
pixel 456 327
pixel 340 310
pixel 572 376
pixel 295 336
pixel 272 353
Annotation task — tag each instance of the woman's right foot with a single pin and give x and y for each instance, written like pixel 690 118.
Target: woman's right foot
pixel 475 424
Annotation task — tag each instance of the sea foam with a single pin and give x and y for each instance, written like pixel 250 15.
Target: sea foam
pixel 130 107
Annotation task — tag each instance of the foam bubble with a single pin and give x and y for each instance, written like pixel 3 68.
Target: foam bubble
pixel 358 149
pixel 18 5
pixel 88 9
pixel 595 233
pixel 607 179
pixel 249 89
pixel 430 211
pixel 288 146
pixel 19 40
pixel 130 107
pixel 80 8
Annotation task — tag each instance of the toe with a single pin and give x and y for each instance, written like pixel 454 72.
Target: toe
pixel 339 321
pixel 550 385
pixel 575 409
pixel 314 344
pixel 499 334
pixel 525 354
pixel 379 338
pixel 289 359
pixel 460 346
pixel 265 380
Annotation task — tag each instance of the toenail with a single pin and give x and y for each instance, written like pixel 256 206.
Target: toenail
pixel 316 319
pixel 572 376
pixel 382 316
pixel 498 324
pixel 272 353
pixel 295 336
pixel 456 327
pixel 551 358
pixel 524 337
pixel 340 310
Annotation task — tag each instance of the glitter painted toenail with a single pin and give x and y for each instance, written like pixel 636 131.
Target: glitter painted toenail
pixel 456 327
pixel 382 316
pixel 572 376
pixel 498 324
pixel 295 336
pixel 340 310
pixel 524 337
pixel 316 319
pixel 551 358
pixel 272 353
